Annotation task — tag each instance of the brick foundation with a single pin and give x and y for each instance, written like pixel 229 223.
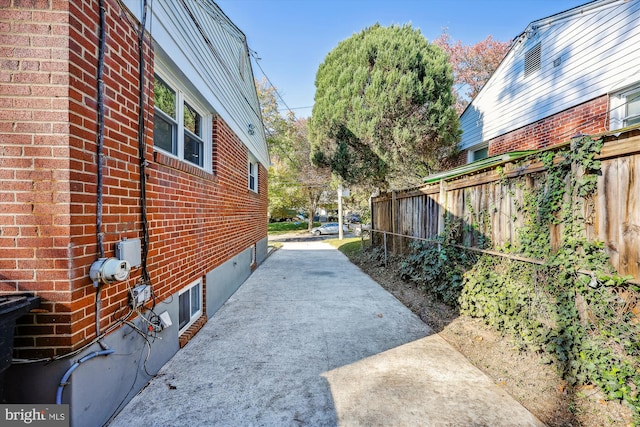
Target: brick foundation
pixel 192 330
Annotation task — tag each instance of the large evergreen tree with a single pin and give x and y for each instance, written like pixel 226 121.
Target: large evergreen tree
pixel 384 110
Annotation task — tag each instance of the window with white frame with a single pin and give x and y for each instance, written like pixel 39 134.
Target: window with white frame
pixel 189 305
pixel 625 108
pixel 478 153
pixel 180 126
pixel 253 175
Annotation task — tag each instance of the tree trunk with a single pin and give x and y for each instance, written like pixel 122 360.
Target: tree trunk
pixel 312 211
pixel 313 203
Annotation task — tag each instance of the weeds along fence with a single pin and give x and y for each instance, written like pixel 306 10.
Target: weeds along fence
pixel 491 203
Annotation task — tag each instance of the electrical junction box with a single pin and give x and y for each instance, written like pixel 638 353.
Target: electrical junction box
pixel 140 294
pixel 165 320
pixel 129 250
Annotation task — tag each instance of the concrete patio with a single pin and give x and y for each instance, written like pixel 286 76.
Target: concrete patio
pixel 309 339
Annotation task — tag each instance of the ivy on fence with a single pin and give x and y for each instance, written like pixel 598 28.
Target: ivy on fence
pixel 572 308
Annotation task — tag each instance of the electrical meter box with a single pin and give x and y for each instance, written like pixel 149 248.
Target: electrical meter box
pixel 129 250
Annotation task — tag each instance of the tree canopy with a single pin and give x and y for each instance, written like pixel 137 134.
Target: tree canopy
pixel 294 182
pixel 274 124
pixel 383 110
pixel 472 65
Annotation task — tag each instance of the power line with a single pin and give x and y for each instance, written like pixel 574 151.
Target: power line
pixel 296 108
pixel 256 58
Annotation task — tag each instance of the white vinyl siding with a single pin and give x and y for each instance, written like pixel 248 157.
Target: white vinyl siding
pixel 594 48
pixel 211 63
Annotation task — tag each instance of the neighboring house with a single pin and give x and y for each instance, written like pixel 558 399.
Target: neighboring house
pixel 576 72
pixel 185 215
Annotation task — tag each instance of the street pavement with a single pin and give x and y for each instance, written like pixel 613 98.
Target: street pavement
pixel 310 340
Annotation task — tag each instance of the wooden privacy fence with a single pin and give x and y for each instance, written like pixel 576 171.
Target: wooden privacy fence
pixel 487 200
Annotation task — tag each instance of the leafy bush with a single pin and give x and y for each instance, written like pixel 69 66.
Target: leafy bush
pixel 438 267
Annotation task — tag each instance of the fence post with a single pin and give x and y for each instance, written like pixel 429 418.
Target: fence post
pixel 394 221
pixel 384 240
pixel 442 201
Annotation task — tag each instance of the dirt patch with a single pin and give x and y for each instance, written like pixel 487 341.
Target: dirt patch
pixel 523 374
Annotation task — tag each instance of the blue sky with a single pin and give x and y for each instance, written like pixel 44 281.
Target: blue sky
pixel 292 37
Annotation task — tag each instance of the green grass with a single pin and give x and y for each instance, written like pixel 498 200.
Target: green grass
pixel 349 247
pixel 287 227
pixel 275 245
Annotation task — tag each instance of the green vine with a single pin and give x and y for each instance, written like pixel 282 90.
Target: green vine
pixel 574 309
pixel 582 321
pixel 438 267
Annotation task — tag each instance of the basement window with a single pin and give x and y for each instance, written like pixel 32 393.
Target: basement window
pixel 478 153
pixel 189 305
pixel 532 60
pixel 625 108
pixel 181 127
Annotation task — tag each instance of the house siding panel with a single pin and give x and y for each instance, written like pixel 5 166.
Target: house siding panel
pixel 233 97
pixel 597 53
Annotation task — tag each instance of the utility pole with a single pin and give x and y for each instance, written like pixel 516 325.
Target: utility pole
pixel 340 232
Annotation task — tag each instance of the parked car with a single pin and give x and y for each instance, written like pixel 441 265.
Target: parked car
pixel 328 228
pixel 353 218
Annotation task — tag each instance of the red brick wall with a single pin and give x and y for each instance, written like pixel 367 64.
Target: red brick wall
pixel 48 176
pixel 121 189
pixel 34 163
pixel 199 222
pixel 459 159
pixel 588 118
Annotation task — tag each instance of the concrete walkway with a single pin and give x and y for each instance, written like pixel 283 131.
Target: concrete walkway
pixel 310 340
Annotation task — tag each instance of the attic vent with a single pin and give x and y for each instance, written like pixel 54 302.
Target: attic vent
pixel 532 60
